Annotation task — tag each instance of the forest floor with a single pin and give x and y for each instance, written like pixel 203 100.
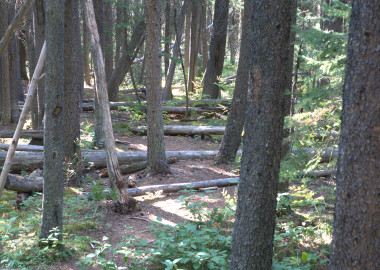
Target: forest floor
pixel 169 208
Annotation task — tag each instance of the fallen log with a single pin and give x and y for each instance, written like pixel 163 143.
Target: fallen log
pixel 183 130
pixel 35 184
pixel 319 173
pixel 35 134
pixel 31 148
pixel 135 167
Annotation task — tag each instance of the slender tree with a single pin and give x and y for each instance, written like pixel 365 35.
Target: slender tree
pixel 252 245
pixel 53 132
pixel 157 162
pixel 108 36
pixel 217 49
pixel 194 44
pixel 356 235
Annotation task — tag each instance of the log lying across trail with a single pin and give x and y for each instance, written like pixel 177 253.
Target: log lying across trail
pixel 35 134
pixel 184 130
pixel 31 148
pixel 319 173
pixel 35 184
pixel 97 158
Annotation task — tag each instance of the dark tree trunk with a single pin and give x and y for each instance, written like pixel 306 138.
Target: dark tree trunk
pixel 167 35
pixel 252 245
pixel 108 36
pixel 157 163
pixel 194 44
pixel 6 116
pixel 86 51
pixel 235 122
pixel 186 57
pixel 217 49
pixel 22 57
pixel 53 132
pixel 204 35
pixel 356 237
pixel 176 49
pixel 72 90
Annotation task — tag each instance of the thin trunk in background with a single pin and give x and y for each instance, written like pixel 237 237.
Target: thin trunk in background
pixel 194 42
pixel 186 57
pixel 86 52
pixel 167 39
pixel 108 38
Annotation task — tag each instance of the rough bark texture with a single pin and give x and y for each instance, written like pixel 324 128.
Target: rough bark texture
pixel 217 49
pixel 170 73
pixel 235 122
pixel 252 245
pixel 108 43
pixel 124 203
pixel 73 88
pixel 155 122
pixel 53 133
pixel 356 235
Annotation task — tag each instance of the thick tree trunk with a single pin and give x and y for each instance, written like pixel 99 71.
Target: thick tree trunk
pixel 217 49
pixel 356 237
pixel 54 127
pixel 73 88
pixel 252 244
pixel 176 49
pixel 124 203
pixel 236 118
pixel 194 44
pixel 157 163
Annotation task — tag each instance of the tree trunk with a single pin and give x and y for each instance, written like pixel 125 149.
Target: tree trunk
pixel 73 88
pixel 155 122
pixel 235 122
pixel 217 49
pixel 252 244
pixel 167 40
pixel 356 238
pixel 54 125
pixel 186 58
pixel 204 35
pixel 194 45
pixel 124 203
pixel 22 57
pixel 233 37
pixel 176 49
pixel 108 38
pixel 86 52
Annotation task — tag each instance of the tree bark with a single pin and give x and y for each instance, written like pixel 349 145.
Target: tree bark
pixel 124 203
pixel 235 122
pixel 252 244
pixel 356 237
pixel 217 50
pixel 86 52
pixel 54 127
pixel 194 45
pixel 108 39
pixel 167 40
pixel 157 163
pixel 72 90
pixel 233 37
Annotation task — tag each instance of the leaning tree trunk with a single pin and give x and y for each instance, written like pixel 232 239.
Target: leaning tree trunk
pixel 156 146
pixel 236 117
pixel 217 49
pixel 73 88
pixel 54 129
pixel 124 203
pixel 356 237
pixel 252 244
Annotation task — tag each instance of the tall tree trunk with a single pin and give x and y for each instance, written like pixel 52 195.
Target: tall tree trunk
pixel 236 117
pixel 54 127
pixel 204 35
pixel 176 49
pixel 233 37
pixel 124 202
pixel 194 42
pixel 186 58
pixel 108 36
pixel 217 49
pixel 86 51
pixel 252 245
pixel 356 238
pixel 167 39
pixel 22 57
pixel 157 163
pixel 6 90
pixel 72 90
